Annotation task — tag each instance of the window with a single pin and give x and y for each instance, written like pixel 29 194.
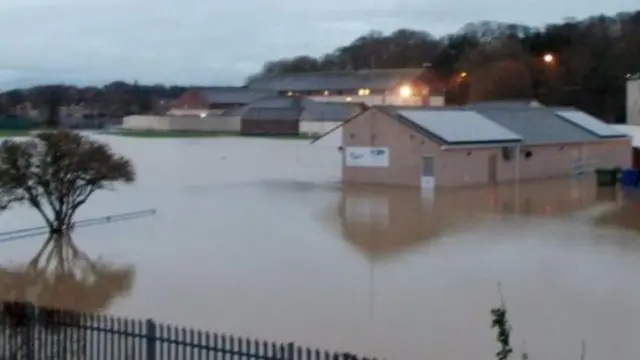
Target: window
pixel 363 92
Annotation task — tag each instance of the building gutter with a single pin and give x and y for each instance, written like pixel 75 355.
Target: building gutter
pixel 478 146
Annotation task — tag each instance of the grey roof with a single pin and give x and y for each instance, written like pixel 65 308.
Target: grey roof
pixel 505 104
pixel 233 95
pixel 459 126
pixel 272 102
pixel 537 125
pixel 258 113
pixel 590 123
pixel 338 80
pixel 320 111
pixel 330 111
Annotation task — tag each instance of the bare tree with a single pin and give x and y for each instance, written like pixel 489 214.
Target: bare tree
pixel 56 173
pixel 504 80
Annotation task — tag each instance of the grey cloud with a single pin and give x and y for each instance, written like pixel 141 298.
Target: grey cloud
pixel 206 42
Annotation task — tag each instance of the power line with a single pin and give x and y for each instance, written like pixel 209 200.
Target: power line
pixel 41 230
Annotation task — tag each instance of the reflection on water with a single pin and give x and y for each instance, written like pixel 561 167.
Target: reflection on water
pixel 382 221
pixel 62 276
pixel 626 216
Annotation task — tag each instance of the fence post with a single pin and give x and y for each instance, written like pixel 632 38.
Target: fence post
pixel 29 331
pixel 290 352
pixel 151 339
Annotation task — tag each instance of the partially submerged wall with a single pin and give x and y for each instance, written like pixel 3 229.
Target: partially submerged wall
pixel 217 123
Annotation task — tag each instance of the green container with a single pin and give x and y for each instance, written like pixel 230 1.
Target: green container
pixel 15 123
pixel 607 177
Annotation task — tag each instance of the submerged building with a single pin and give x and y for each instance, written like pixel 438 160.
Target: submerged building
pixel 476 144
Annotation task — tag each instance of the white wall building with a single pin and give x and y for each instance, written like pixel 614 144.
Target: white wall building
pixel 213 123
pixel 633 100
pixel 383 99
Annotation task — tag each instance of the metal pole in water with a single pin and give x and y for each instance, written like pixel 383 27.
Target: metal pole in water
pixel 40 230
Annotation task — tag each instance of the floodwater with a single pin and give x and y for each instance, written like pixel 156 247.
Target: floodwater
pixel 256 237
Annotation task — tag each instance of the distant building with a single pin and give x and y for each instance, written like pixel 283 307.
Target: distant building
pixel 320 117
pixel 27 110
pixel 633 100
pixel 215 100
pixel 78 111
pixel 315 117
pixel 476 145
pixel 401 87
pixel 271 121
pixel 161 106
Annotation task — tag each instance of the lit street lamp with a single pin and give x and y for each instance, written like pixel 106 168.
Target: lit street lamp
pixel 406 91
pixel 548 58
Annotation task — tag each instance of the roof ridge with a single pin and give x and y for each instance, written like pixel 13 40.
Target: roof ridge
pixel 344 72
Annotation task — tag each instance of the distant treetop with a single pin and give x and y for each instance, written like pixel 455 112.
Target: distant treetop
pixel 591 60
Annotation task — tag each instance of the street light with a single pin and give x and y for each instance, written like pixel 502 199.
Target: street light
pixel 548 58
pixel 406 91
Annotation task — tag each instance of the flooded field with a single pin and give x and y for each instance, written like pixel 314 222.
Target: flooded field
pixel 257 238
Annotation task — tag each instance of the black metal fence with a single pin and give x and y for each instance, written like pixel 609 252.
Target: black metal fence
pixel 31 333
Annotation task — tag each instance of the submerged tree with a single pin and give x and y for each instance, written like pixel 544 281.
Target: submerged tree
pixel 56 173
pixel 62 276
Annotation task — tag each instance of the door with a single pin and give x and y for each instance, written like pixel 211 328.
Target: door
pixel 578 165
pixel 493 169
pixel 427 176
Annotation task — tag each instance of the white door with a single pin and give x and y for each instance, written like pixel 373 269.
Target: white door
pixel 427 176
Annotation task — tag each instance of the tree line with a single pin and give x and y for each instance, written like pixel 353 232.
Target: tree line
pixel 115 99
pixel 582 63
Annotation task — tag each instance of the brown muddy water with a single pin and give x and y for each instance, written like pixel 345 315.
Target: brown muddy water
pixel 257 238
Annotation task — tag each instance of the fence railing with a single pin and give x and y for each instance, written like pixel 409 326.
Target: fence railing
pixel 31 333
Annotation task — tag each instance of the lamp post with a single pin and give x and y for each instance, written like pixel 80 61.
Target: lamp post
pixel 549 58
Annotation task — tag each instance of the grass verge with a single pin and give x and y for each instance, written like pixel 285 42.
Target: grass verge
pixel 170 134
pixel 13 133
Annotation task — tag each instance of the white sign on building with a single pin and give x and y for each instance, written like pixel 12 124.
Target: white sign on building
pixel 364 156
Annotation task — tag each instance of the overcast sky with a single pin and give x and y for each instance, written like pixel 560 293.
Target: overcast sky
pixel 217 42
